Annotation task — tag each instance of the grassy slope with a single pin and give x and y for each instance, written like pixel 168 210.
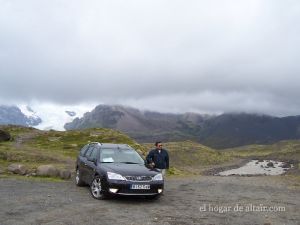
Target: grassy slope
pixel 191 157
pixel 283 150
pixel 33 147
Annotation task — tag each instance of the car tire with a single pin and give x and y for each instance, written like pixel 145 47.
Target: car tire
pixel 78 180
pixel 96 189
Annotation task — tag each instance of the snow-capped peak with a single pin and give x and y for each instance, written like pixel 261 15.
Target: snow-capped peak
pixel 33 118
pixel 53 116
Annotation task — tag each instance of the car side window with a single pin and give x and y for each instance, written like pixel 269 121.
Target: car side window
pixel 94 154
pixel 83 150
pixel 89 151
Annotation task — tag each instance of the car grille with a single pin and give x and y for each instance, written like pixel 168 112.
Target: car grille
pixel 139 178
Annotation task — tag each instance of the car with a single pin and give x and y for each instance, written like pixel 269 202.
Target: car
pixel 116 169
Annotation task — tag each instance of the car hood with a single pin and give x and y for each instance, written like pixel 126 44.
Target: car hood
pixel 129 169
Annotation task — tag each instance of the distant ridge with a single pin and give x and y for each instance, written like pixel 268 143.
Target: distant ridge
pixel 223 131
pixel 13 115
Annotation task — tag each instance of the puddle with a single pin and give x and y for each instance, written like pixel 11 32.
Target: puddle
pixel 256 167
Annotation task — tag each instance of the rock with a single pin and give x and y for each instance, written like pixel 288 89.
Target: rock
pixel 270 164
pixel 286 165
pixel 65 174
pixel 17 168
pixel 47 171
pixel 4 135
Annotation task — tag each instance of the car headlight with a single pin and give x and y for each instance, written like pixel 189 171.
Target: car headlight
pixel 158 177
pixel 114 176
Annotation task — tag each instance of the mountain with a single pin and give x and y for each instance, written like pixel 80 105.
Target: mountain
pixel 231 130
pixel 144 126
pixel 223 131
pixel 41 116
pixel 15 116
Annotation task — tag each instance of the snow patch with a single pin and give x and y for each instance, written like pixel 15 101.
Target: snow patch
pixel 54 116
pixel 32 118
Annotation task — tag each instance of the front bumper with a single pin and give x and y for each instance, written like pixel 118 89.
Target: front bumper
pixel 124 187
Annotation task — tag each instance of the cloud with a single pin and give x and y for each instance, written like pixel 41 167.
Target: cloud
pixel 210 56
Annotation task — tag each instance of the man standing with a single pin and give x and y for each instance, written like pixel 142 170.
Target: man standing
pixel 158 158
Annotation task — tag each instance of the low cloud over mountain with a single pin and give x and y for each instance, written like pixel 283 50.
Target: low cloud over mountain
pixel 169 56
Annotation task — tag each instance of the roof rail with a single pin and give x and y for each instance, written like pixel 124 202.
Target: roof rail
pixel 95 142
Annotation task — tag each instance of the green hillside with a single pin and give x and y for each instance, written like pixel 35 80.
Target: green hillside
pixel 192 157
pixel 33 147
pixel 283 150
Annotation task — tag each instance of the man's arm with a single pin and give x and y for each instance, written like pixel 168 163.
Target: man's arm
pixel 149 157
pixel 167 160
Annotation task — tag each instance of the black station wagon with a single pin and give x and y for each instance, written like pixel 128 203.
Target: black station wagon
pixel 116 169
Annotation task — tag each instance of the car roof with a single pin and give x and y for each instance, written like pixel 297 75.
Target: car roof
pixel 112 146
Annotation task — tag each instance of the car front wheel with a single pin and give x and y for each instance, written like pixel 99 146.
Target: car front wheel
pixel 97 189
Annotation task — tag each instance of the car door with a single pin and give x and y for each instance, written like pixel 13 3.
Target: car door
pixel 80 157
pixel 84 164
pixel 91 164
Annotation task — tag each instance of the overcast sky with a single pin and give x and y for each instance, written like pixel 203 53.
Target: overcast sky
pixel 208 56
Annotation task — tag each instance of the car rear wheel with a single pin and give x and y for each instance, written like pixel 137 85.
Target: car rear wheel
pixel 78 180
pixel 97 189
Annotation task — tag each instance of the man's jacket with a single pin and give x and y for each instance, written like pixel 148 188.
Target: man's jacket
pixel 161 159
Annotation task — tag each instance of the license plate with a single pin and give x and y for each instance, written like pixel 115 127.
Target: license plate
pixel 140 186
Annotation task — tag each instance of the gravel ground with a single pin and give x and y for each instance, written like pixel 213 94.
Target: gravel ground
pixel 185 201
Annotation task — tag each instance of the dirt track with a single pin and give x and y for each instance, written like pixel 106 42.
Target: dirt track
pixel 33 202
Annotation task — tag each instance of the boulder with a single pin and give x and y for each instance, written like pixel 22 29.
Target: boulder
pixel 47 171
pixel 286 165
pixel 17 168
pixel 4 135
pixel 270 164
pixel 65 174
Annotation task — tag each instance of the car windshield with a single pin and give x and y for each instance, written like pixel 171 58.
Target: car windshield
pixel 128 156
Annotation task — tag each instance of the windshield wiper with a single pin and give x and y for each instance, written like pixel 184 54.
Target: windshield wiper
pixel 130 162
pixel 106 162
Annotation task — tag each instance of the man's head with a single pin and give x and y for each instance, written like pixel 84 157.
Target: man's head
pixel 158 145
